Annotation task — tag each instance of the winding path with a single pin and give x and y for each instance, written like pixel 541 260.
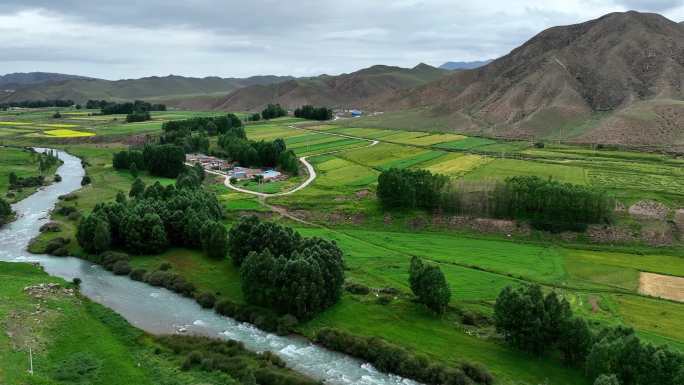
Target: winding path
pixel 309 168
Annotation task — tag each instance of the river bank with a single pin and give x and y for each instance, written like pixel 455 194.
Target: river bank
pixel 159 311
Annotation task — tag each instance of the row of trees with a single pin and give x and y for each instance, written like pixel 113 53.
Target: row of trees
pixel 313 113
pixel 403 188
pixel 110 108
pixel 273 111
pixel 545 203
pixel 157 217
pixel 37 104
pixel 538 323
pixel 259 154
pixel 283 271
pixel 165 160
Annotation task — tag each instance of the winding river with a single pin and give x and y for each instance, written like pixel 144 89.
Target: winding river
pixel 160 311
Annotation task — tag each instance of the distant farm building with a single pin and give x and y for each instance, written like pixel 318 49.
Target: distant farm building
pixel 356 113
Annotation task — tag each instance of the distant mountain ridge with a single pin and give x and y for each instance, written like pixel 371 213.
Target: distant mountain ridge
pixel 23 79
pixel 341 91
pixel 82 89
pixel 464 65
pixel 617 79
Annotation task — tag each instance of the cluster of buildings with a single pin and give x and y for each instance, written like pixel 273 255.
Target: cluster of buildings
pixel 232 170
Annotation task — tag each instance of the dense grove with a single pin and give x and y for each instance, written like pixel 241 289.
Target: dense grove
pixel 165 160
pixel 313 113
pixel 193 134
pixel 390 358
pixel 273 111
pixel 37 104
pixel 401 188
pixel 541 324
pixel 258 154
pixel 155 218
pixel 546 204
pixel 110 108
pixel 281 270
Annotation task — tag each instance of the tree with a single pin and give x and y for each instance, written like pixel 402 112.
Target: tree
pixel 101 237
pixel 250 234
pixel 137 188
pixel 575 340
pixel 528 320
pixel 134 170
pixel 93 234
pixel 164 160
pixel 215 240
pixel 429 285
pixel 5 211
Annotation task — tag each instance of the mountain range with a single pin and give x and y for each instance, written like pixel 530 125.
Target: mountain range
pixel 616 79
pixel 81 89
pixel 464 65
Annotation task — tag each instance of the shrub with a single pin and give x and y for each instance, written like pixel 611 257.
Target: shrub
pixel 109 258
pixel 478 373
pixel 165 266
pixel 57 246
pixel 76 281
pixel 206 300
pixel 357 288
pixel 138 274
pixel 121 268
pixel 58 178
pixel 86 180
pixel 74 215
pixel 384 299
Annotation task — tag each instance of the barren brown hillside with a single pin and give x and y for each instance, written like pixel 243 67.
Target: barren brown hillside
pixel 566 75
pixel 343 91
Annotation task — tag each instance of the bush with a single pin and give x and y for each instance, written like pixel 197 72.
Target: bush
pixel 165 266
pixel 86 180
pixel 121 268
pixel 75 215
pixel 76 281
pixel 357 288
pixel 57 246
pixel 385 299
pixel 478 373
pixel 58 178
pixel 109 258
pixel 138 274
pixel 206 300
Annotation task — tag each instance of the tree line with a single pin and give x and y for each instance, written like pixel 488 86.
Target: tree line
pixel 261 153
pixel 164 160
pixel 313 113
pixel 541 324
pixel 111 108
pixel 545 203
pixel 155 217
pixel 37 103
pixel 46 160
pixel 281 270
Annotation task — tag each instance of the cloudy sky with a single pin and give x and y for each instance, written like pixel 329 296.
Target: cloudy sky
pixel 135 38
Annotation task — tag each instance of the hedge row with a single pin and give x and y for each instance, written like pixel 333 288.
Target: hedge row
pixel 390 358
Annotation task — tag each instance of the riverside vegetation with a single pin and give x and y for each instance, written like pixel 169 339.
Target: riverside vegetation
pixel 599 283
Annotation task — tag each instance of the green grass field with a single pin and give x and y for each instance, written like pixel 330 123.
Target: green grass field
pixel 600 281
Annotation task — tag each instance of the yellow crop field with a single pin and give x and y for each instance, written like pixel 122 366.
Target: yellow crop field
pixel 15 123
pixel 456 164
pixel 64 133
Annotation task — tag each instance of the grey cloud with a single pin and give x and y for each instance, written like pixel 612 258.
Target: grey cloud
pixel 651 5
pixel 305 37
